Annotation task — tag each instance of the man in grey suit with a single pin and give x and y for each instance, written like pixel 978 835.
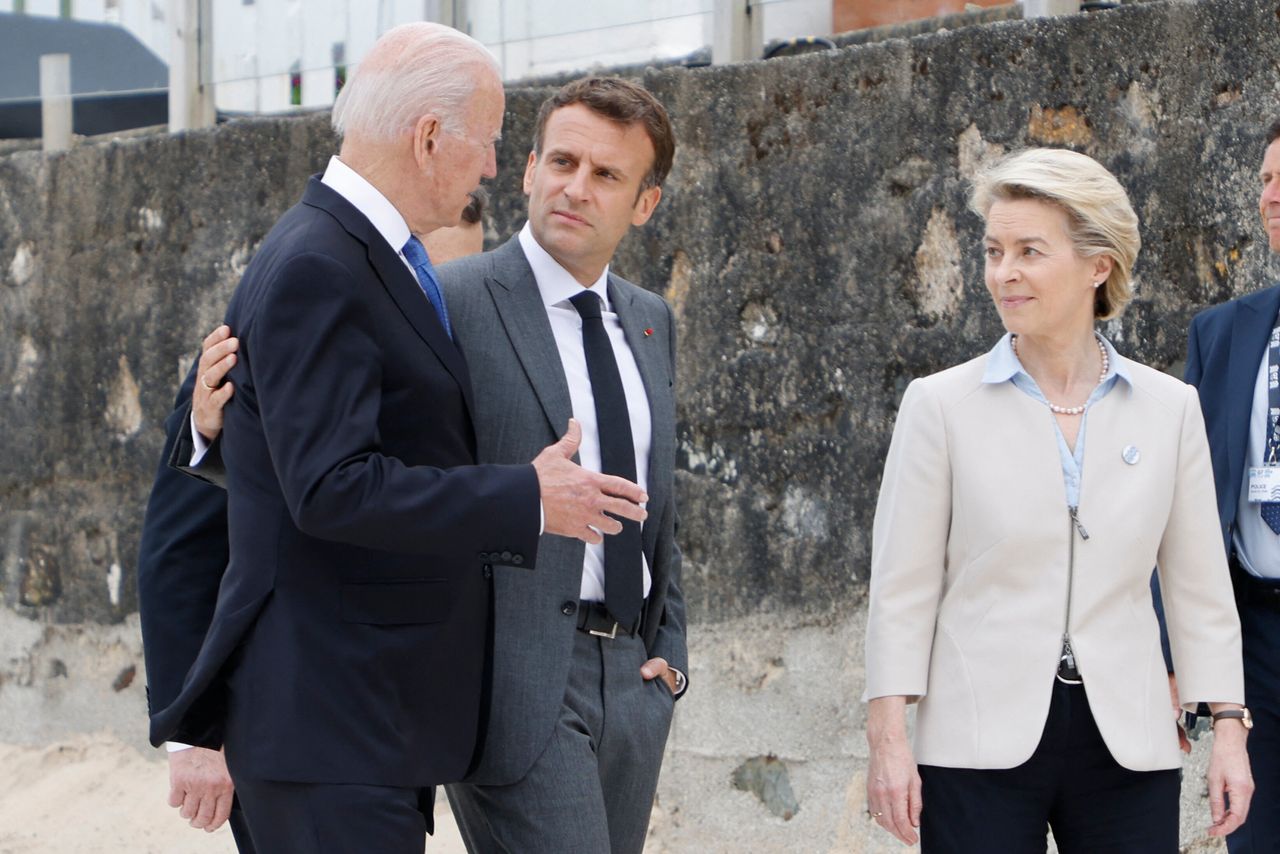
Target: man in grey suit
pixel 589 651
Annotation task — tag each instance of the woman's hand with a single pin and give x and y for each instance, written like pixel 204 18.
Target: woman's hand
pixel 1229 776
pixel 893 783
pixel 1184 743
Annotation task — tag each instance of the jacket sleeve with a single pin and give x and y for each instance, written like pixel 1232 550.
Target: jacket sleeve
pixel 908 549
pixel 315 362
pixel 671 641
pixel 1199 609
pixel 181 559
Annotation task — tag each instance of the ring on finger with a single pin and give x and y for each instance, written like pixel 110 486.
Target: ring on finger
pixel 874 814
pixel 204 382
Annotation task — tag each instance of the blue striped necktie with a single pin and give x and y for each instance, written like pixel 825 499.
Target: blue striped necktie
pixel 416 254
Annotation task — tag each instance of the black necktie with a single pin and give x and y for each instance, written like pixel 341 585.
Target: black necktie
pixel 623 571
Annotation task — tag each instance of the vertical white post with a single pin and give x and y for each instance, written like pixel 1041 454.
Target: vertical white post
pixel 1048 8
pixel 190 65
pixel 737 31
pixel 451 13
pixel 55 100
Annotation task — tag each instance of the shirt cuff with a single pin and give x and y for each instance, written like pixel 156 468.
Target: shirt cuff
pixel 542 519
pixel 199 445
pixel 176 746
pixel 682 682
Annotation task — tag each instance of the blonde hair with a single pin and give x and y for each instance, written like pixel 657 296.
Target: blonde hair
pixel 1100 220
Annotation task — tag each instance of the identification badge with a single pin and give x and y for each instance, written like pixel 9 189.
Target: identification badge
pixel 1264 484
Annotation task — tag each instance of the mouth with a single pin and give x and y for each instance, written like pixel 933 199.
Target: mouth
pixel 1013 302
pixel 565 216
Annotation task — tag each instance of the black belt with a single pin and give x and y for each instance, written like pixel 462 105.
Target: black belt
pixel 594 619
pixel 1252 590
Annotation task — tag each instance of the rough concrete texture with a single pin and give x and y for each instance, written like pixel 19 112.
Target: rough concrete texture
pixel 815 242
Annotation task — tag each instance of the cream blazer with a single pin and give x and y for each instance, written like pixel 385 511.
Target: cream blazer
pixel 969 569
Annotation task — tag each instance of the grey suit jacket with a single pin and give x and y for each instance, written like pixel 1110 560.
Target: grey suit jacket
pixel 522 405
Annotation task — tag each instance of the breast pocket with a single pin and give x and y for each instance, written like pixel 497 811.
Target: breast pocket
pixel 396 602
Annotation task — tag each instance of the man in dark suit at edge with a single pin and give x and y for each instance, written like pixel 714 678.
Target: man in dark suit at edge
pixel 342 665
pixel 1233 359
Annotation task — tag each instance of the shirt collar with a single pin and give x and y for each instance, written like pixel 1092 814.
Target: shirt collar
pixel 367 199
pixel 1003 365
pixel 555 283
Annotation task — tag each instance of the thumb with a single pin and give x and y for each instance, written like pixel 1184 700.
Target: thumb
pixel 572 438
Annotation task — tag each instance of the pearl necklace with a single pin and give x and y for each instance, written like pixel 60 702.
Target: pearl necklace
pixel 1102 375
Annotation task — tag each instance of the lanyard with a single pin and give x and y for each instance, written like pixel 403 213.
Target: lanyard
pixel 1273 396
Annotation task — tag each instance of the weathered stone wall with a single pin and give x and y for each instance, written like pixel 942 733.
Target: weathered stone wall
pixel 815 243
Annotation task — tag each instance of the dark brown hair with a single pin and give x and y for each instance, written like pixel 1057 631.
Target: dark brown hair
pixel 1273 132
pixel 625 103
pixel 474 210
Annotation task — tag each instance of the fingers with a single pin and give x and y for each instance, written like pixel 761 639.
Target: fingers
pixel 204 812
pixel 190 806
pixel 222 812
pixel 624 508
pixel 1217 808
pixel 623 488
pixel 569 442
pixel 900 812
pixel 916 800
pixel 653 668
pixel 176 794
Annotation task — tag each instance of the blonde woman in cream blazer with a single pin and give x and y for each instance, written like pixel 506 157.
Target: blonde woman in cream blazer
pixel 1026 496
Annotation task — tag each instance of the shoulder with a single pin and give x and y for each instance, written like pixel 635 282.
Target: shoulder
pixel 1167 390
pixel 951 385
pixel 1222 312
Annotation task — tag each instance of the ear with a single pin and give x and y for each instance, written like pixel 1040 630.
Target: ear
pixel 1102 267
pixel 529 168
pixel 426 139
pixel 644 205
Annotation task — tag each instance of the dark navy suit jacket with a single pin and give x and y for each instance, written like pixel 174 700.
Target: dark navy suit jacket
pixel 348 640
pixel 1224 348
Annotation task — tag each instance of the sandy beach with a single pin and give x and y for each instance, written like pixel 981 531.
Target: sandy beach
pixel 98 795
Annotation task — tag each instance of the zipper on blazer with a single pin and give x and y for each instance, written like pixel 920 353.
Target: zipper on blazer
pixel 1068 672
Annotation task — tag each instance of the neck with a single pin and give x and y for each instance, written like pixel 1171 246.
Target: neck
pixel 1061 364
pixel 379 164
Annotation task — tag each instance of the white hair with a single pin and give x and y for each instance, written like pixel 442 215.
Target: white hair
pixel 414 69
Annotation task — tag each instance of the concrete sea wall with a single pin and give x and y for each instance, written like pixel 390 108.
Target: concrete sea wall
pixel 815 243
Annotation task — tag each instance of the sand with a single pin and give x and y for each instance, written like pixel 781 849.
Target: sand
pixel 98 795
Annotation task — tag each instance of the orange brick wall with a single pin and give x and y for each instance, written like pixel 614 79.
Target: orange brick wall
pixel 859 14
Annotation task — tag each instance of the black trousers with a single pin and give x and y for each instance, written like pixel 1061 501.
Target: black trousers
pixel 1070 785
pixel 1259 604
pixel 317 818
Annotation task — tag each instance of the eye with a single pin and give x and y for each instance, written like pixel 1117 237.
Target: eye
pixel 605 173
pixel 991 252
pixel 1028 251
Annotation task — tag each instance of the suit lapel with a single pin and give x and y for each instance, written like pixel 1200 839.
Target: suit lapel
pixel 651 358
pixel 400 284
pixel 1250 329
pixel 515 294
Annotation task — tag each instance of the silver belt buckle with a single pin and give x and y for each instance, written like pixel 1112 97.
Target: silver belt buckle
pixel 611 634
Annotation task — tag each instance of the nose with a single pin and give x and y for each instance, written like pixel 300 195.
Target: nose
pixel 576 188
pixel 1004 269
pixel 1270 194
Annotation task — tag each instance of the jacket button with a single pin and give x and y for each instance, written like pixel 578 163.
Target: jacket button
pixel 517 559
pixel 506 557
pixel 569 608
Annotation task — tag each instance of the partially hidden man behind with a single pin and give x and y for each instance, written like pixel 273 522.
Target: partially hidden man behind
pixel 342 669
pixel 1233 358
pixel 589 651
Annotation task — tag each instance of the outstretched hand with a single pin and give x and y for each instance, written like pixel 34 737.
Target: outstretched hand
pixel 580 503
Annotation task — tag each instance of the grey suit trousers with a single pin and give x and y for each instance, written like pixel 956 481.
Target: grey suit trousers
pixel 592 788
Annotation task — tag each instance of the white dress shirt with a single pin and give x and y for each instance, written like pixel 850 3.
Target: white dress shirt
pixel 557 285
pixel 1257 546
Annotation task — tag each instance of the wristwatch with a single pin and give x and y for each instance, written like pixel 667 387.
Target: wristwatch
pixel 1241 715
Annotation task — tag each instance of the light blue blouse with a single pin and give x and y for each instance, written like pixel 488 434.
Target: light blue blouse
pixel 1003 366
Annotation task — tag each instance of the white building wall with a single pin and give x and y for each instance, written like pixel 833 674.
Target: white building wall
pixel 258 44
